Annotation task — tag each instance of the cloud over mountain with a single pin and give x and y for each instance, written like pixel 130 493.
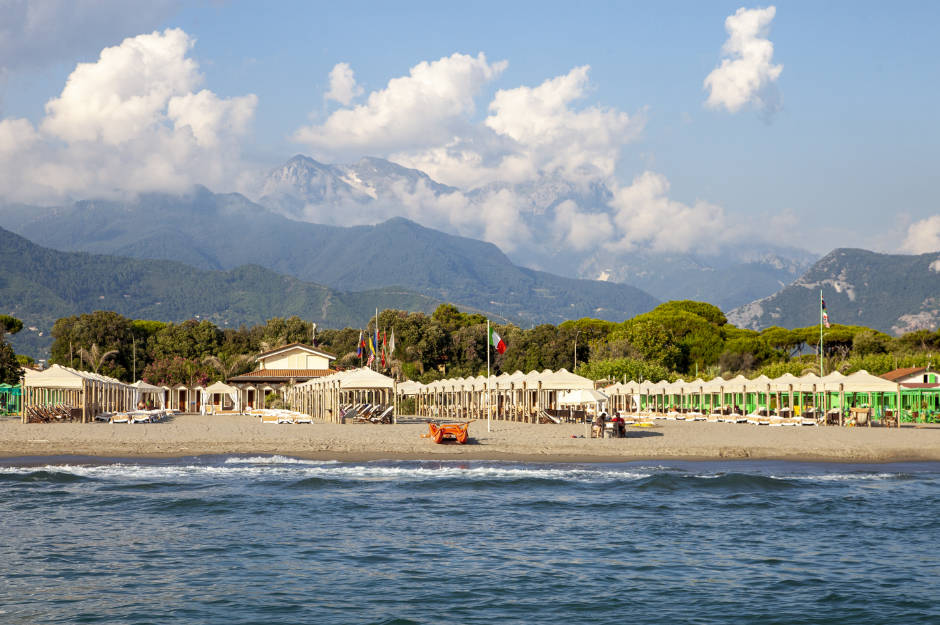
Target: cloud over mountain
pixel 746 75
pixel 923 236
pixel 133 120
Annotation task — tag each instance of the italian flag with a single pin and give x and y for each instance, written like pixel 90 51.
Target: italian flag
pixel 497 342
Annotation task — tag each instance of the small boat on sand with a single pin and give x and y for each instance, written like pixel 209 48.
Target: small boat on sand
pixel 439 432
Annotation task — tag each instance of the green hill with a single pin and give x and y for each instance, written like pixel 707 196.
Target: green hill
pixel 889 292
pixel 222 231
pixel 39 285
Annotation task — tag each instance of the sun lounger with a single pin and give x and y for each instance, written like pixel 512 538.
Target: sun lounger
pixel 269 418
pixel 140 417
pixel 384 417
pixel 120 417
pixel 303 418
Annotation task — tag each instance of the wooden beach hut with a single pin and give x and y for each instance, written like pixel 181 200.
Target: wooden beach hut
pixel 73 394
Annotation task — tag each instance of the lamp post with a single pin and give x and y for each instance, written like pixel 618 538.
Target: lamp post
pixel 576 350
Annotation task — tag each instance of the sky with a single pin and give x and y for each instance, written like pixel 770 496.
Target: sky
pixel 810 124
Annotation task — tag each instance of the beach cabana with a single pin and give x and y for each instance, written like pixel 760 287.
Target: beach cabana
pixel 221 391
pixel 882 396
pixel 78 393
pixel 10 399
pixel 147 393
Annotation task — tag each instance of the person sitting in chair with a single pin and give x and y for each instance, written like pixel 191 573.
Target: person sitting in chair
pixel 597 431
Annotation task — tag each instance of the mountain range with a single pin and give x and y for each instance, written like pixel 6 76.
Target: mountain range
pixel 223 231
pixel 889 292
pixel 727 276
pixel 39 285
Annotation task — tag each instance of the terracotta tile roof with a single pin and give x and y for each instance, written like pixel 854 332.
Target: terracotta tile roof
pixel 897 374
pixel 920 385
pixel 281 374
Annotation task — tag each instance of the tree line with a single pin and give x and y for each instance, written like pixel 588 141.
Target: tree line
pixel 676 339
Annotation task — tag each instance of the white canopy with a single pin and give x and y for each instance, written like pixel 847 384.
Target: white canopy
pixel 581 396
pixel 222 389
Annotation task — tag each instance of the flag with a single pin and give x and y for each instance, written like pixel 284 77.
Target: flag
pixel 361 345
pixel 391 343
pixel 384 346
pixel 825 315
pixel 497 342
pixel 370 360
pixel 371 349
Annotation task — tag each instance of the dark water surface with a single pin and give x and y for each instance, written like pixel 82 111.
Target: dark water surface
pixel 278 540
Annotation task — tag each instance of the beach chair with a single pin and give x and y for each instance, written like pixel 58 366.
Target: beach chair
pixel 285 417
pixel 269 417
pixel 302 418
pixel 888 419
pixel 384 417
pixel 140 417
pixel 120 417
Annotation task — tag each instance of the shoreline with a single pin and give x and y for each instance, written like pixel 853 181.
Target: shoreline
pixel 198 435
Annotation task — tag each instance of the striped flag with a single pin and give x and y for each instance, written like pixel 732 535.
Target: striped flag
pixel 360 346
pixel 825 314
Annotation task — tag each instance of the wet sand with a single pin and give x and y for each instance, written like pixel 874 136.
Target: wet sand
pixel 189 435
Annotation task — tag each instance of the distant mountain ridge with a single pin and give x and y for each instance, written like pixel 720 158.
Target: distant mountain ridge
pixel 39 285
pixel 730 276
pixel 890 292
pixel 222 231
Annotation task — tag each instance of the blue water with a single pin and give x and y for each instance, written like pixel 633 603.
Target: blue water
pixel 279 540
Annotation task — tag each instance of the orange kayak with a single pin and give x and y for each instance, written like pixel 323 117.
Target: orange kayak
pixel 449 431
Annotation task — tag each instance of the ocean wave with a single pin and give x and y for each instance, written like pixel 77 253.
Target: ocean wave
pixel 49 475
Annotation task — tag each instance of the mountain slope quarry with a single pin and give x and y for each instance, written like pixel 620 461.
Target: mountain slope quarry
pixel 891 293
pixel 223 231
pixel 39 285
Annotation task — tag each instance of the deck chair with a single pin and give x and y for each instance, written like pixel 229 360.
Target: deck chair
pixel 384 417
pixel 269 418
pixel 141 417
pixel 120 417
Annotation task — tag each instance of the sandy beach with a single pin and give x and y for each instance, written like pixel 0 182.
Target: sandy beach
pixel 188 435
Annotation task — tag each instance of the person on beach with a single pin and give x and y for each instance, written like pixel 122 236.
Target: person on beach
pixel 599 421
pixel 620 428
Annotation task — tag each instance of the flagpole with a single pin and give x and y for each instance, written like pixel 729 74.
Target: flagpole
pixel 489 418
pixel 821 372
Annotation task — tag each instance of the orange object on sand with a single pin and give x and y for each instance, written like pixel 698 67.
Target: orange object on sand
pixel 448 431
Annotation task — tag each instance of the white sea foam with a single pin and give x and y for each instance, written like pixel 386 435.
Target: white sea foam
pixel 280 467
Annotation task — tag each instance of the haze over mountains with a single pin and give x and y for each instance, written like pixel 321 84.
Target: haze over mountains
pixel 338 274
pixel 725 273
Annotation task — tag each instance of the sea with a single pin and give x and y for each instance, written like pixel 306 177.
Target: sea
pixel 272 539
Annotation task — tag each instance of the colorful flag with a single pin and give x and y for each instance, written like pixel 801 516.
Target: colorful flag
pixel 384 346
pixel 370 360
pixel 361 345
pixel 825 314
pixel 371 348
pixel 497 342
pixel 391 343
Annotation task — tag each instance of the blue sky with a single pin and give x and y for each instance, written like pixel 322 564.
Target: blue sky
pixel 845 159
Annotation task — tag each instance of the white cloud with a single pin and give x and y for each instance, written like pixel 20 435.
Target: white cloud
pixel 130 121
pixel 424 109
pixel 746 76
pixel 923 236
pixel 580 230
pixel 343 87
pixel 529 170
pixel 645 216
pixel 551 136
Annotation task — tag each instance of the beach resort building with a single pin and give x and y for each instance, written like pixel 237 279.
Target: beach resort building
pixel 277 369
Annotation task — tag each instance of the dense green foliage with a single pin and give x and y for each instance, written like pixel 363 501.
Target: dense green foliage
pixel 676 339
pixel 10 365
